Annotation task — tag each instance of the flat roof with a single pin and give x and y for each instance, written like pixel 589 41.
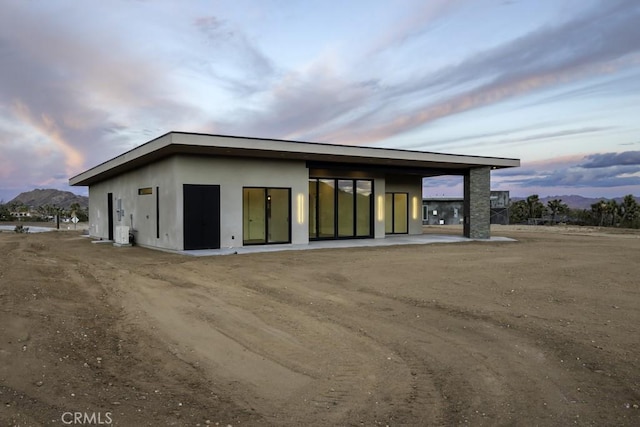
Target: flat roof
pixel 314 153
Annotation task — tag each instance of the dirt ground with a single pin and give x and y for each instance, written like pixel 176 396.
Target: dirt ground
pixel 543 331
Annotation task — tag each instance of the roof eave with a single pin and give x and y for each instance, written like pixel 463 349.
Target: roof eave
pixel 184 143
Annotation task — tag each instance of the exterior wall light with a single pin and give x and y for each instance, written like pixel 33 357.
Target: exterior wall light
pixel 380 203
pixel 300 208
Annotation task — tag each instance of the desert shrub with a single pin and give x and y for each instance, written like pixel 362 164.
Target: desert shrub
pixel 21 229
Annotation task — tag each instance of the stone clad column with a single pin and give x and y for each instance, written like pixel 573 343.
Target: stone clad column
pixel 477 192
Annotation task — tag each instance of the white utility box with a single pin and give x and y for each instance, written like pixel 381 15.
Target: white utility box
pixel 122 236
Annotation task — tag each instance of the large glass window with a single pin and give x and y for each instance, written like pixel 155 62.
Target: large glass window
pixel 326 208
pixel 340 208
pixel 313 207
pixel 345 208
pixel 388 213
pixel 266 215
pixel 278 213
pixel 364 207
pixel 253 211
pixel 396 213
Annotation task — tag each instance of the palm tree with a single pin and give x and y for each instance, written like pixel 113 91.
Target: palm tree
pixel 556 206
pixel 598 210
pixel 535 206
pixel 518 212
pixel 612 211
pixel 5 215
pixel 74 208
pixel 629 210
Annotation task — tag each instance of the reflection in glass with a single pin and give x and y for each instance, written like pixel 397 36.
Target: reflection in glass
pixel 253 213
pixel 326 207
pixel 388 213
pixel 345 208
pixel 363 207
pixel 396 213
pixel 313 205
pixel 400 213
pixel 340 208
pixel 266 215
pixel 278 215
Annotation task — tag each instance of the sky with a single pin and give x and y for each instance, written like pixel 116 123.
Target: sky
pixel 554 83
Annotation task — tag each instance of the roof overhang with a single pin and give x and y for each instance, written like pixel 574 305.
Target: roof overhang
pixel 172 143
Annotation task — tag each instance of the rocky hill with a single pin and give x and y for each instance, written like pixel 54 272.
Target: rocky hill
pixel 51 197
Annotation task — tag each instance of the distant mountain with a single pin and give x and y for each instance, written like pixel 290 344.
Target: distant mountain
pixel 49 196
pixel 573 201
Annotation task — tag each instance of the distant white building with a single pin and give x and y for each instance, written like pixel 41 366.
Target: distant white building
pixel 448 211
pixel 21 214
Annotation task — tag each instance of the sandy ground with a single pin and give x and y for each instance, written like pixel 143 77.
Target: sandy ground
pixel 543 331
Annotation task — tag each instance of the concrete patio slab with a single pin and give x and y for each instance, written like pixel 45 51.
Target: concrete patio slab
pixel 421 239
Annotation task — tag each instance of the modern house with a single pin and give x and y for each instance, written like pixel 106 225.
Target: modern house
pixel 185 191
pixel 451 210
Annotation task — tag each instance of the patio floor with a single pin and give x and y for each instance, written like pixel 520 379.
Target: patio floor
pixel 418 239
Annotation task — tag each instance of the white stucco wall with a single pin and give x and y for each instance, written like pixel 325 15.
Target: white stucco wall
pixel 232 174
pixel 139 210
pixel 411 184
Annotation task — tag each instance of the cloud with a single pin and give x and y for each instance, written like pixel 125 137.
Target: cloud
pixel 613 87
pixel 60 90
pixel 520 140
pixel 232 58
pixel 301 102
pixel 600 170
pixel 443 186
pixel 412 25
pixel 48 127
pixel 605 160
pixel 77 91
pixel 598 42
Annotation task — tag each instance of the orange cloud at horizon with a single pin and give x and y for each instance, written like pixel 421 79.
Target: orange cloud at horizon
pixel 47 127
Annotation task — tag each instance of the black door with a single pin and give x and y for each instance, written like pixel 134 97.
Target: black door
pixel 110 215
pixel 201 216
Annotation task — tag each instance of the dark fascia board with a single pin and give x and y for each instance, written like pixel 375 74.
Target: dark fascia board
pixel 383 169
pixel 173 143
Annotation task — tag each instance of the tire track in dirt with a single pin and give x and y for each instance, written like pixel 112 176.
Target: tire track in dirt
pixel 238 343
pixel 81 352
pixel 507 361
pixel 475 366
pixel 400 336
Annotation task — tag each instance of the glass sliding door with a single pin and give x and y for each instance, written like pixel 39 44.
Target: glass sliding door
pixel 313 208
pixel 400 213
pixel 396 213
pixel 345 208
pixel 266 215
pixel 326 208
pixel 388 213
pixel 340 208
pixel 278 215
pixel 253 213
pixel 364 207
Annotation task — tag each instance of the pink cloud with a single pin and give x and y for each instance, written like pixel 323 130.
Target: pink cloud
pixel 47 127
pixel 486 95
